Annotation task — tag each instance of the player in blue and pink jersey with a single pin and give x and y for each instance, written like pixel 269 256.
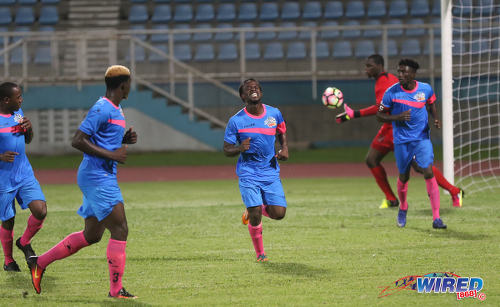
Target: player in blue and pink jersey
pixel 408 102
pixel 17 178
pixel 251 133
pixel 102 139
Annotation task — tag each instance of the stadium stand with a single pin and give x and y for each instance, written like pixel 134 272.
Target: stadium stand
pixel 364 48
pixel 269 11
pixel 273 51
pixel 227 52
pixel 334 10
pixel 376 9
pixel 398 8
pixel 312 10
pixel 287 35
pixel 161 14
pixel 205 12
pixel 204 52
pixel 226 12
pixel 322 50
pixel 296 51
pixel 342 49
pixel 355 9
pixel 183 13
pixel 290 11
pixel 248 12
pixel 419 8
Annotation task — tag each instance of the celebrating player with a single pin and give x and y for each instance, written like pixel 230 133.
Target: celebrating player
pixel 100 137
pixel 382 144
pixel 251 133
pixel 17 178
pixel 408 102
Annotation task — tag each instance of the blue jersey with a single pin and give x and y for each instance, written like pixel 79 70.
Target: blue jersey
pixel 105 124
pixel 12 139
pixel 259 162
pixel 399 100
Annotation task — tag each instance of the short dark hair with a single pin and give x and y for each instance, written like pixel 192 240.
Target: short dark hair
pixel 377 59
pixel 245 82
pixel 410 63
pixel 6 89
pixel 115 82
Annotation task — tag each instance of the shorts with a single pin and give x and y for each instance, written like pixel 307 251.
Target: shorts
pixel 25 194
pixel 99 201
pixel 420 151
pixel 384 140
pixel 256 193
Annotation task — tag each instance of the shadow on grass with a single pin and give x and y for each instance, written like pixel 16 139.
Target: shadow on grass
pixel 84 301
pixel 447 233
pixel 207 258
pixel 298 269
pixel 21 281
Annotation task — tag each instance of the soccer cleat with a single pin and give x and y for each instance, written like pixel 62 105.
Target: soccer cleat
pixel 458 198
pixel 438 224
pixel 262 258
pixel 389 203
pixel 245 218
pixel 36 273
pixel 11 267
pixel 402 218
pixel 26 249
pixel 123 294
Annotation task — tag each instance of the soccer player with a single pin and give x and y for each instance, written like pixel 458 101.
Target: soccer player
pixel 102 139
pixel 251 133
pixel 17 178
pixel 409 101
pixel 382 144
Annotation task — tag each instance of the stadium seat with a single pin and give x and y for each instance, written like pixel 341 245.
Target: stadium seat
pixel 312 10
pixel 155 57
pixel 376 9
pixel 372 32
pixel 334 10
pixel 27 2
pixel 495 46
pixel 273 51
pixel 138 1
pixel 419 8
pixel 202 36
pixel 322 50
pixel 42 55
pixel 290 11
pixel 269 11
pixel 437 47
pixel 328 34
pixel 226 12
pixel 267 35
pixel 25 16
pixel 287 35
pixel 182 52
pixel 395 31
pixel 139 27
pixel 392 48
pixel 486 8
pixel 204 52
pixel 342 49
pixel 16 55
pixel 248 35
pixel 437 20
pixel 227 52
pixel 465 10
pixel 161 13
pixel 248 12
pixel 224 36
pixel 354 33
pixel 182 37
pixel 364 48
pixel 306 34
pixel 410 47
pixel 5 16
pixel 296 51
pixel 183 13
pixel 479 47
pixel 355 9
pixel 417 31
pixel 20 29
pixel 204 12
pixel 2 29
pixel 252 51
pixel 138 14
pixel 167 1
pixel 140 54
pixel 159 37
pixel 7 2
pixel 48 15
pixel 398 8
pixel 50 1
pixel 436 8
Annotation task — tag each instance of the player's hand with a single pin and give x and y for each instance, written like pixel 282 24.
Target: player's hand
pixel 437 123
pixel 26 124
pixel 8 156
pixel 245 145
pixel 342 117
pixel 130 136
pixel 282 154
pixel 404 116
pixel 120 155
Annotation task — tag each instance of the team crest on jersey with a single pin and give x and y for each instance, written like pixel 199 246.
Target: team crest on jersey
pixel 18 118
pixel 420 96
pixel 270 122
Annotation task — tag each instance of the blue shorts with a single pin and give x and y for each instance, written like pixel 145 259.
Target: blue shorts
pixel 24 194
pixel 420 151
pixel 257 193
pixel 99 201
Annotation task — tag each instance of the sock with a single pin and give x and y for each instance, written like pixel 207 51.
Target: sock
pixel 433 191
pixel 381 179
pixel 116 263
pixel 256 235
pixel 34 225
pixel 7 237
pixel 264 210
pixel 402 193
pixel 67 247
pixel 453 190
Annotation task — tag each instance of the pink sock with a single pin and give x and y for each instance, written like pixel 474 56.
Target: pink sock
pixel 6 237
pixel 116 263
pixel 256 235
pixel 34 225
pixel 433 191
pixel 67 247
pixel 402 193
pixel 264 210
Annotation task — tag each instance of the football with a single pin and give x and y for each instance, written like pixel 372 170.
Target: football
pixel 332 97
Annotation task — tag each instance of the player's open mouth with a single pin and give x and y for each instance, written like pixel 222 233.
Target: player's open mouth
pixel 254 95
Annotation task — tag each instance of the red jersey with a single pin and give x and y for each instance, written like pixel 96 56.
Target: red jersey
pixel 382 83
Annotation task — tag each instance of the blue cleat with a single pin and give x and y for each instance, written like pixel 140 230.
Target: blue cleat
pixel 402 218
pixel 438 224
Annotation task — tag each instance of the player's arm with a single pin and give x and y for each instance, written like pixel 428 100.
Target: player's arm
pixel 231 150
pixel 283 152
pixel 351 114
pixel 81 141
pixel 28 130
pixel 384 116
pixel 431 108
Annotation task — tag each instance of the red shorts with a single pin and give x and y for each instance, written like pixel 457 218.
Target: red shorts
pixel 383 141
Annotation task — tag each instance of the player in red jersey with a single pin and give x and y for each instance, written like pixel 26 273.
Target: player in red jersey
pixel 382 144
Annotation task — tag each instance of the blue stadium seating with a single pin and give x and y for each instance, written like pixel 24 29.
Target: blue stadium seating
pixel 398 8
pixel 138 14
pixel 7 2
pixel 436 8
pixel 248 12
pixel 287 35
pixel 410 47
pixel 204 12
pixel 183 52
pixel 334 10
pixel 290 11
pixel 226 12
pixel 227 52
pixel 159 37
pixel 306 34
pixel 479 47
pixel 364 48
pixel 416 32
pixel 204 52
pixel 268 35
pixel 396 31
pixel 182 37
pixel 296 51
pixel 376 9
pixel 252 51
pixel 392 48
pixel 202 36
pixel 50 1
pixel 248 35
pixel 437 20
pixel 5 16
pixel 20 29
pixel 139 27
pixel 485 8
pixel 419 8
pixel 161 13
pixel 27 2
pixel 140 54
pixel 495 45
pixel 25 16
pixel 355 9
pixel 166 1
pixel 322 50
pixel 42 55
pixel 183 13
pixel 48 15
pixel 224 36
pixel 155 57
pixel 312 10
pixel 138 1
pixel 273 51
pixel 329 34
pixel 465 10
pixel 269 11
pixel 16 55
pixel 342 49
pixel 372 32
pixel 354 33
pixel 437 47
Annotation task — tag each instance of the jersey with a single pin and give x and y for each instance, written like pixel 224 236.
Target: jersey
pixel 382 83
pixel 399 100
pixel 105 124
pixel 12 139
pixel 259 162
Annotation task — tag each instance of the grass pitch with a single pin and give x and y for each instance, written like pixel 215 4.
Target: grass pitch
pixel 187 246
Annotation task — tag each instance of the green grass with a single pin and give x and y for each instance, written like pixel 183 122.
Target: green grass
pixel 187 246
